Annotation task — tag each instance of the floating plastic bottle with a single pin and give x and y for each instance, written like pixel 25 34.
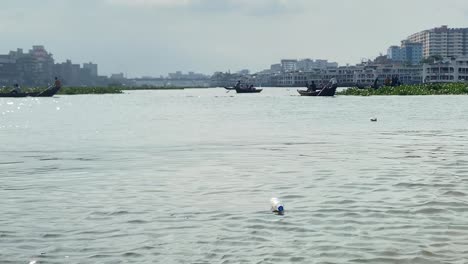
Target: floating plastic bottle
pixel 276 206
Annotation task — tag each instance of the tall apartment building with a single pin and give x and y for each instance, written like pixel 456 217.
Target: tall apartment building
pixel 442 41
pixel 92 68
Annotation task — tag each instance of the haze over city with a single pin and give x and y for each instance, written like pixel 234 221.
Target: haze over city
pixel 154 37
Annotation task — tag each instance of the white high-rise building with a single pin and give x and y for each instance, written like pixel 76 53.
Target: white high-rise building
pixel 442 41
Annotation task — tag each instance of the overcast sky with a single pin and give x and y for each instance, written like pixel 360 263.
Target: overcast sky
pixel 154 37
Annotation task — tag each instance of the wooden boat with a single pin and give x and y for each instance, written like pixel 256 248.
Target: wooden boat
pixel 49 92
pixel 328 91
pixel 244 90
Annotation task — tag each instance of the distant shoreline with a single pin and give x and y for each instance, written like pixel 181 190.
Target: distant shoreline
pixel 417 89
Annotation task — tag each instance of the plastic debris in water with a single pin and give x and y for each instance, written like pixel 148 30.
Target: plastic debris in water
pixel 276 206
pixel 374 119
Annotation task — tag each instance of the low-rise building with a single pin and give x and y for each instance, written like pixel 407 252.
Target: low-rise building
pixel 446 71
pixel 275 67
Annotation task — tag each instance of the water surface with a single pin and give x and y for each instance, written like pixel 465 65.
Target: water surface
pixel 186 177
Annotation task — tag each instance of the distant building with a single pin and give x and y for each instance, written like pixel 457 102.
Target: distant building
pixel 92 68
pixel 179 75
pixel 223 79
pixel 309 64
pixel 394 53
pixel 409 53
pixel 8 70
pixel 276 67
pixel 244 72
pixel 44 64
pixel 442 41
pixel 288 65
pixel 117 76
pixel 37 68
pixel 176 75
pixel 68 72
pixel 364 74
pixel 448 70
pixel 177 79
pixel 34 68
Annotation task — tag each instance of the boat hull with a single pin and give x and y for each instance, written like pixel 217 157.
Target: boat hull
pixel 325 92
pixel 240 90
pixel 249 90
pixel 46 93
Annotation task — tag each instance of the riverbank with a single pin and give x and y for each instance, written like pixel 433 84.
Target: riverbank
pixel 418 89
pixel 72 90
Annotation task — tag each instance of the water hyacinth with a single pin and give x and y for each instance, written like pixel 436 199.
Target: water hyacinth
pixel 74 90
pixel 90 90
pixel 416 89
pixel 71 90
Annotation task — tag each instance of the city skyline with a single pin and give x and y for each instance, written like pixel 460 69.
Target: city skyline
pixel 156 37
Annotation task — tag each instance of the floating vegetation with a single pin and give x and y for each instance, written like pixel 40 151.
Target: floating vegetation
pixel 90 90
pixel 417 89
pixel 70 90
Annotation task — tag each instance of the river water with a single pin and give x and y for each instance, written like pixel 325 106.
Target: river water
pixel 186 177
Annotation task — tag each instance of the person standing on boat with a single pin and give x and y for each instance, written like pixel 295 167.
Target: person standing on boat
pixel 238 85
pixel 57 83
pixel 333 83
pixel 16 89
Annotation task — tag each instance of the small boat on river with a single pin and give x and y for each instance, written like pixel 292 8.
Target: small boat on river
pixel 49 92
pixel 244 90
pixel 327 91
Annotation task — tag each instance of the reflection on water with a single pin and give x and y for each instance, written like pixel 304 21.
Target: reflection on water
pixel 186 177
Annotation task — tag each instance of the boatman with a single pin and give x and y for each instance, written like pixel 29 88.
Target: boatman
pixel 16 88
pixel 238 85
pixel 312 87
pixel 57 83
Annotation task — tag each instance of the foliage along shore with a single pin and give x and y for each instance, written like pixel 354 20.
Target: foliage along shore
pixel 115 89
pixel 90 90
pixel 75 90
pixel 70 90
pixel 417 89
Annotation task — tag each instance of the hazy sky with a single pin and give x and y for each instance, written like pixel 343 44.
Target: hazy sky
pixel 154 37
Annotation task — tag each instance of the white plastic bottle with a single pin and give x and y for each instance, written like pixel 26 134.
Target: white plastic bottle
pixel 276 206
